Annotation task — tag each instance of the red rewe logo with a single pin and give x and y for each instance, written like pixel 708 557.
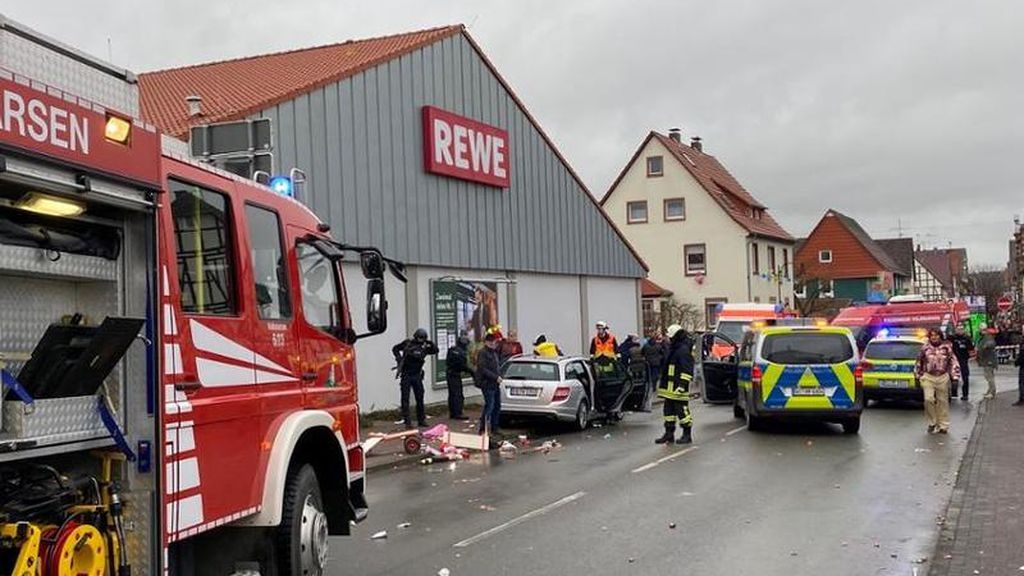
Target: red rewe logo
pixel 462 148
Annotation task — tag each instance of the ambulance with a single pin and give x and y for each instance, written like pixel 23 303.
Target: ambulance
pixel 176 344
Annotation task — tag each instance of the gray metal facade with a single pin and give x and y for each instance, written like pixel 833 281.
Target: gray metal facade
pixel 360 142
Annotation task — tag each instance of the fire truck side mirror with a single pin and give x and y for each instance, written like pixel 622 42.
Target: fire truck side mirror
pixel 373 265
pixel 376 307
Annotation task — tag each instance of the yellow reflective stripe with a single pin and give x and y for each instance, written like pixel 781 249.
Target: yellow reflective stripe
pixel 846 379
pixel 685 377
pixel 671 369
pixel 769 379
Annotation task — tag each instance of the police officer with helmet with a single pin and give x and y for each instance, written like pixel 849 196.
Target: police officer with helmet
pixel 674 386
pixel 411 354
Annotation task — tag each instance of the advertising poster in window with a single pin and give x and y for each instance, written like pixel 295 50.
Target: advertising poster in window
pixel 461 307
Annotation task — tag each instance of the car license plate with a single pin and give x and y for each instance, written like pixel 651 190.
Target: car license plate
pixel 524 391
pixel 808 391
pixel 893 384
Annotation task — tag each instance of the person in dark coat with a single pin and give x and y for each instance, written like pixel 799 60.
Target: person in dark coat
pixel 456 364
pixel 410 355
pixel 674 387
pixel 1020 375
pixel 488 380
pixel 963 348
pixel 654 353
pixel 626 348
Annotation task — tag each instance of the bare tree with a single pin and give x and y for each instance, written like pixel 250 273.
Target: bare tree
pixel 990 282
pixel 690 317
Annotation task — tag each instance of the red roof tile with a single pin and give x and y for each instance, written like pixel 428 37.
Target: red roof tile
pixel 233 89
pixel 720 184
pixel 649 289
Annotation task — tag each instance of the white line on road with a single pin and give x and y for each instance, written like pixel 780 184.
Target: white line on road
pixel 661 461
pixel 520 520
pixel 740 429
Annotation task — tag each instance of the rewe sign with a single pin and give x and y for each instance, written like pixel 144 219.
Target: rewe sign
pixel 462 148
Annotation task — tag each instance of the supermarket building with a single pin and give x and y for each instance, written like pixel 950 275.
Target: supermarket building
pixel 414 143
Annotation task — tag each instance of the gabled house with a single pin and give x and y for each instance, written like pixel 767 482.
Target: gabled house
pixel 942 272
pixel 704 237
pixel 839 259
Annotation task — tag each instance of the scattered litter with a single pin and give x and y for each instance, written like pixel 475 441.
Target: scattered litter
pixel 845 544
pixel 487 508
pixel 836 486
pixel 597 425
pixel 508 449
pixel 444 572
pixel 524 440
pixel 722 440
pixel 631 560
pixel 977 572
pixel 878 545
pixel 404 525
pixel 950 557
pixel 894 555
pixel 607 436
pixel 778 453
pixel 687 494
pixel 382 535
pixel 793 553
pixel 810 443
pixel 468 480
pixel 604 528
pixel 921 560
pixel 920 450
pixel 672 526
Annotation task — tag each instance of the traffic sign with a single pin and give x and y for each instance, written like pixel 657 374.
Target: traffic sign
pixel 1004 303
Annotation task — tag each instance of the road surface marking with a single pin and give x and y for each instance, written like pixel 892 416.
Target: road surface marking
pixel 661 461
pixel 740 429
pixel 516 521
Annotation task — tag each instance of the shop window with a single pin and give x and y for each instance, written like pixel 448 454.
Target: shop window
pixel 319 288
pixel 675 209
pixel 270 272
pixel 636 212
pixel 825 256
pixel 695 259
pixel 203 236
pixel 655 166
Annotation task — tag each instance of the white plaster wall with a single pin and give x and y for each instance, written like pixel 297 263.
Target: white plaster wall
pixel 378 388
pixel 616 301
pixel 549 304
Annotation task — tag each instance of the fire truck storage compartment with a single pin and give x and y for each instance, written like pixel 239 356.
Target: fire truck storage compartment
pixel 61 278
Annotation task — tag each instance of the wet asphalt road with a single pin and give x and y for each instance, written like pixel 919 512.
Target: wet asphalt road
pixel 793 500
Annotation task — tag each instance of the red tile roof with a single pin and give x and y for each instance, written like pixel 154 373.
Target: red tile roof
pixel 233 89
pixel 649 289
pixel 720 184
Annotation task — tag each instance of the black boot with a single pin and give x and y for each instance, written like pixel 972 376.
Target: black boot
pixel 686 438
pixel 668 436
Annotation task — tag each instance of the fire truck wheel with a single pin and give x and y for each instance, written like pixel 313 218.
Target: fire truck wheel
pixel 302 536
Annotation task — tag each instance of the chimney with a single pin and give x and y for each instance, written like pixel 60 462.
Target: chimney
pixel 695 144
pixel 195 105
pixel 676 135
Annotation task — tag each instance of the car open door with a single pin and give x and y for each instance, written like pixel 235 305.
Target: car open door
pixel 719 365
pixel 640 398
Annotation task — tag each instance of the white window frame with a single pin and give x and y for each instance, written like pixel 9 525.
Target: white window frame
pixel 647 166
pixel 687 271
pixel 629 212
pixel 664 208
pixel 821 256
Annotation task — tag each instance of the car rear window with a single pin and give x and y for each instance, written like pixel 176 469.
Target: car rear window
pixel 893 350
pixel 531 371
pixel 806 348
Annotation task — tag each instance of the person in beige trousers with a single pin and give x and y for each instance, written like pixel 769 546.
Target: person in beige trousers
pixel 937 368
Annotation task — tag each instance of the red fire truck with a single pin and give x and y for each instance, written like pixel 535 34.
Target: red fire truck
pixel 177 351
pixel 867 321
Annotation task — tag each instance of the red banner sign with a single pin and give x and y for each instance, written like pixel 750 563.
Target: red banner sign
pixel 462 148
pixel 56 125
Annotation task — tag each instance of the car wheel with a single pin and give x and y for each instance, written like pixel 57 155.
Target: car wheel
pixel 753 422
pixel 851 426
pixel 737 410
pixel 302 535
pixel 582 416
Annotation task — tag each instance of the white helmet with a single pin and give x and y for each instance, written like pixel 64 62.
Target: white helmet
pixel 671 331
pixel 601 324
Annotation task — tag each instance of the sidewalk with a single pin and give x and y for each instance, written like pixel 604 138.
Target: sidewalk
pixel 983 532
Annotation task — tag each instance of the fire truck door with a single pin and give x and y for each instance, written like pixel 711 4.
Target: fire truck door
pixel 324 326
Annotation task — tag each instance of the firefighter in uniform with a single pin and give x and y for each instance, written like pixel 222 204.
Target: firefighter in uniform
pixel 674 386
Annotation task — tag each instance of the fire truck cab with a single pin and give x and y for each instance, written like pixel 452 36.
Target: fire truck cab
pixel 176 346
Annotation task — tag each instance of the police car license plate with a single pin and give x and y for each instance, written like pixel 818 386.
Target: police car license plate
pixel 524 391
pixel 892 384
pixel 808 391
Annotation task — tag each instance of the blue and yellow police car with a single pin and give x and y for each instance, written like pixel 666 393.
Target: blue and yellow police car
pixel 888 367
pixel 799 373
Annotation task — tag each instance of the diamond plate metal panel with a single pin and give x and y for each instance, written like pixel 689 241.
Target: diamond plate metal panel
pixel 43 64
pixel 34 261
pixel 139 525
pixel 54 420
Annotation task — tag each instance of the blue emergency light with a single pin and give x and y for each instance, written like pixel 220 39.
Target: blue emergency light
pixel 283 186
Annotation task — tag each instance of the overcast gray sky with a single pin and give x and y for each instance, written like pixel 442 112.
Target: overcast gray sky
pixel 896 113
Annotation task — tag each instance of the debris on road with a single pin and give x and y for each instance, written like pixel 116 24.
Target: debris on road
pixel 793 553
pixel 487 508
pixel 920 560
pixel 444 572
pixel 508 450
pixel 631 560
pixel 404 525
pixel 607 436
pixel 382 535
pixel 920 450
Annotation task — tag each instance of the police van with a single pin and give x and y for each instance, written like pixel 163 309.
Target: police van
pixel 888 367
pixel 791 373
